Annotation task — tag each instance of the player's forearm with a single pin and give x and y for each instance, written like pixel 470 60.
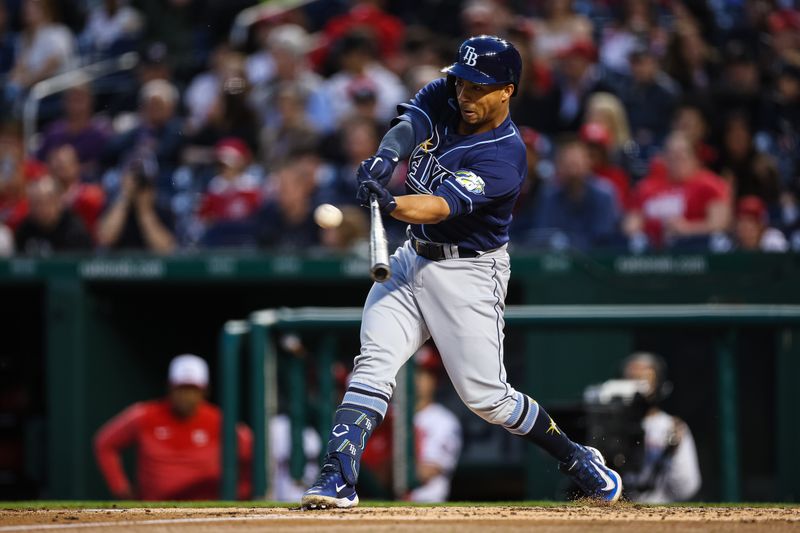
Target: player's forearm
pixel 421 209
pixel 399 139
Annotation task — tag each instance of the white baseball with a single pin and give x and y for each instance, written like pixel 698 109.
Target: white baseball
pixel 328 216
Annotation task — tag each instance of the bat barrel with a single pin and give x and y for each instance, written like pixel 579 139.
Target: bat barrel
pixel 379 268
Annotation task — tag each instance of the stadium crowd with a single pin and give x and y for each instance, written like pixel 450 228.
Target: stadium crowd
pixel 650 125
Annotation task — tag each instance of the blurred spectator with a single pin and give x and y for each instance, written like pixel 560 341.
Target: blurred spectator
pixel 7 41
pixel 125 98
pixel 606 109
pixel 752 227
pixel 780 120
pixel 367 17
pixel 579 211
pixel 50 226
pixel 437 431
pixel 290 129
pixel 134 221
pixel 560 29
pixel 484 17
pixel 159 132
pixel 784 29
pixel 286 221
pixel 201 94
pixel 87 134
pixel 637 23
pixel 599 140
pixel 358 64
pixel 738 87
pixel 284 62
pixel 679 200
pixel 359 140
pixel 578 77
pixel 15 172
pixel 112 28
pixel 85 199
pixel 176 23
pixel 690 61
pixel 177 441
pixel 46 48
pixel 230 114
pixel 650 97
pixel 670 472
pixel 233 197
pixel 750 172
pixel 531 191
pixel 691 119
pixel 350 234
pixel 6 241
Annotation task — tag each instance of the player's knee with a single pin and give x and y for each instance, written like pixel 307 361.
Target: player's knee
pixel 493 409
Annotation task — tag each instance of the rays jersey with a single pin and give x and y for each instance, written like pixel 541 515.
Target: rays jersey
pixel 478 175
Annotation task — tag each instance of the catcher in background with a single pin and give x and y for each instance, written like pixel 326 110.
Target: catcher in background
pixel 670 471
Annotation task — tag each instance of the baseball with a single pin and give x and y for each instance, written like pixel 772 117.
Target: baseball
pixel 328 216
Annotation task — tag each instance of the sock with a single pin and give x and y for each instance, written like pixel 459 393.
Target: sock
pixel 546 434
pixel 531 421
pixel 362 409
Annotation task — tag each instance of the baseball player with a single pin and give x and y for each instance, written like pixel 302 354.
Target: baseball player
pixel 449 279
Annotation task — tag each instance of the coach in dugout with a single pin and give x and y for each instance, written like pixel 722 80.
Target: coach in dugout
pixel 177 440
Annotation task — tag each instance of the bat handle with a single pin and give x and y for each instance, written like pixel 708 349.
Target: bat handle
pixel 379 270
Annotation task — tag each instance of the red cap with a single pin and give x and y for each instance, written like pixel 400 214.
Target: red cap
pixel 751 206
pixel 596 133
pixel 232 151
pixel 581 48
pixel 428 358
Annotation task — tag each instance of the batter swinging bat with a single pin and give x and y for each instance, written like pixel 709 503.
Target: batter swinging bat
pixel 378 249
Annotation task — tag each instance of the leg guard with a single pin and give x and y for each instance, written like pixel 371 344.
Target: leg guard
pixel 351 430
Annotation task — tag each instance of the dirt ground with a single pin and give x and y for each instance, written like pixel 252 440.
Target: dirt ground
pixel 623 518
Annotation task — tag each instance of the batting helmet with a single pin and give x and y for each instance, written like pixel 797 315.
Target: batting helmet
pixel 486 59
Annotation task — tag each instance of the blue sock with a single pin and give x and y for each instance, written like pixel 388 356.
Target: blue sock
pixel 530 420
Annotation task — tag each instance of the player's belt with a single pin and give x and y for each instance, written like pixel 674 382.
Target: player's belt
pixel 438 252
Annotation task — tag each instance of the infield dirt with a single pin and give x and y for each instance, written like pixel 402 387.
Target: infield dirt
pixel 624 518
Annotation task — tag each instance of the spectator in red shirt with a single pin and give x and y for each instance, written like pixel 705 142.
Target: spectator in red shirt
pixel 85 199
pixel 598 138
pixel 177 442
pixel 683 201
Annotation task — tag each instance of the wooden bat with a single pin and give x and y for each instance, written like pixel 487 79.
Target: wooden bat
pixel 379 268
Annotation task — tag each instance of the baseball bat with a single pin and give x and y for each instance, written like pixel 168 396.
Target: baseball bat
pixel 379 268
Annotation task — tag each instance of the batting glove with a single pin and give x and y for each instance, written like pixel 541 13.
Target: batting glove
pixel 379 167
pixel 386 201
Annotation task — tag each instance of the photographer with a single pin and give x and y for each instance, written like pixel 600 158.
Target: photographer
pixel 134 221
pixel 669 471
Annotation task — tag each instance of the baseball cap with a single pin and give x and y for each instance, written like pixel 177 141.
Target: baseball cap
pixel 581 48
pixel 428 358
pixel 751 206
pixel 596 133
pixel 232 151
pixel 188 369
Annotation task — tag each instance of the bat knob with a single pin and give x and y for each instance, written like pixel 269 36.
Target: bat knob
pixel 380 272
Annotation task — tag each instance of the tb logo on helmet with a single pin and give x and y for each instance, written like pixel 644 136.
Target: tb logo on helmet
pixel 470 57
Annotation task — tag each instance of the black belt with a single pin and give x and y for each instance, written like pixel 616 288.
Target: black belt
pixel 438 252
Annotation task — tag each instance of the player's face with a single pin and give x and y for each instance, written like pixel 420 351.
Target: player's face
pixel 483 107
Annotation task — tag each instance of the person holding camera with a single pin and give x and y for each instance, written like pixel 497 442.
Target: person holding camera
pixel 134 220
pixel 669 471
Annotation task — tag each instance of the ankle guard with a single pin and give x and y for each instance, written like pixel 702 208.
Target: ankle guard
pixel 352 427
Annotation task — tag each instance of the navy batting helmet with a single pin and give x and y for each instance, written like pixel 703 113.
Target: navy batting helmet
pixel 486 59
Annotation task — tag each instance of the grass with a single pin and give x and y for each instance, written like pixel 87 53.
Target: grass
pixel 74 504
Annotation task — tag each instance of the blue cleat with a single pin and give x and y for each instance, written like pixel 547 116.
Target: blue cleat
pixel 588 470
pixel 330 491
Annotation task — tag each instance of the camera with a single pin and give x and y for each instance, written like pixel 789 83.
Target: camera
pixel 614 411
pixel 144 171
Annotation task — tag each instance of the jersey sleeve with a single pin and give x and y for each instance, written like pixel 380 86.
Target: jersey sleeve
pixel 479 184
pixel 114 436
pixel 425 109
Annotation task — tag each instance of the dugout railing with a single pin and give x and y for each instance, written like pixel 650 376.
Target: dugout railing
pixel 257 338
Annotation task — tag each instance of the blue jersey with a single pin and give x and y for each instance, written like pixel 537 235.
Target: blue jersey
pixel 478 175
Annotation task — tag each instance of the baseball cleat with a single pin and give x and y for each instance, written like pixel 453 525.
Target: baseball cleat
pixel 588 470
pixel 330 491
